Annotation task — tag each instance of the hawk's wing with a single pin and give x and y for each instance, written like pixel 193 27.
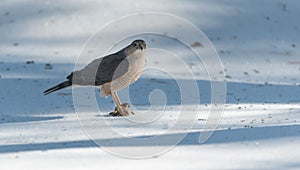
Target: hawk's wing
pixel 102 70
pixel 111 68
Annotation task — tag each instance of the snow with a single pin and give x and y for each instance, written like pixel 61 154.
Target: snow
pixel 257 41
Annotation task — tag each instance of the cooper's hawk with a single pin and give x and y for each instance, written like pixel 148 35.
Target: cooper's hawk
pixel 111 73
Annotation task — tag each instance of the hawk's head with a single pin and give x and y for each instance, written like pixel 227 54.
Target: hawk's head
pixel 138 44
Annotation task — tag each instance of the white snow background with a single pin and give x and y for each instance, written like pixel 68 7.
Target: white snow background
pixel 258 43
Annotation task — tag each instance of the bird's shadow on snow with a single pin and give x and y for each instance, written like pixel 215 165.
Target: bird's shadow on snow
pixel 24 85
pixel 247 135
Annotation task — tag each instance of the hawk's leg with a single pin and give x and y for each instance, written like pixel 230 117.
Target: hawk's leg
pixel 121 109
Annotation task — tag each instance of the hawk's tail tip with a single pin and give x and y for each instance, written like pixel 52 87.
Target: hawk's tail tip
pixel 57 87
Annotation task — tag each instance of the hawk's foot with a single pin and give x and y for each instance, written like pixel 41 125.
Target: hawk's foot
pixel 124 110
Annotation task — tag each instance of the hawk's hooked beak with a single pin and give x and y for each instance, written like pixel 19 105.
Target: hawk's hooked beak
pixel 141 47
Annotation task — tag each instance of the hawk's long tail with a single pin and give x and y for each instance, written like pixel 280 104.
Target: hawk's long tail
pixel 58 87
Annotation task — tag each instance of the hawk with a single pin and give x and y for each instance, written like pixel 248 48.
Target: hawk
pixel 111 73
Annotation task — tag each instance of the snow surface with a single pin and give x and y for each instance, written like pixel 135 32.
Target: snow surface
pixel 258 42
